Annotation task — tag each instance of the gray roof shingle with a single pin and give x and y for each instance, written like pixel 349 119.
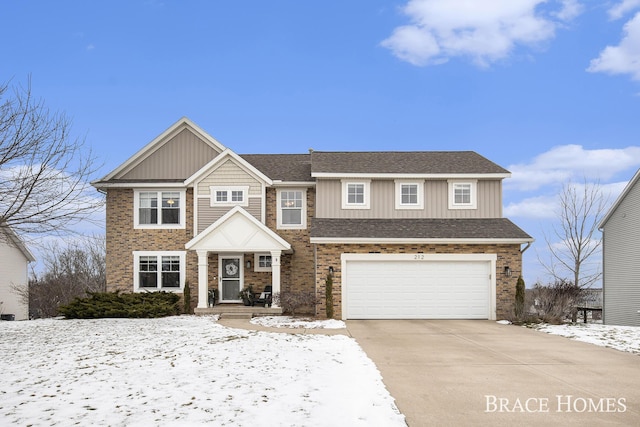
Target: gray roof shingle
pixel 422 162
pixel 427 228
pixel 283 167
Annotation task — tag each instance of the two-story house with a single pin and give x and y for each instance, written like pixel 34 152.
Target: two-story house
pixel 404 234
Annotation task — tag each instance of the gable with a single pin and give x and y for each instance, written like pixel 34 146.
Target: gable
pixel 238 231
pixel 175 155
pixel 177 158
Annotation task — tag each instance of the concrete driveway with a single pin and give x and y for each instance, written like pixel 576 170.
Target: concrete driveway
pixel 476 372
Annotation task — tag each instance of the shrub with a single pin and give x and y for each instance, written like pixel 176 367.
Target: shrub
pixel 186 297
pixel 555 302
pixel 328 296
pixel 293 301
pixel 520 291
pixel 115 304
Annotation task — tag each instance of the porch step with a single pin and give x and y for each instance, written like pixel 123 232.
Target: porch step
pixel 238 311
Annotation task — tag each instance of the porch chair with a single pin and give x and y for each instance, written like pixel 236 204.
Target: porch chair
pixel 263 298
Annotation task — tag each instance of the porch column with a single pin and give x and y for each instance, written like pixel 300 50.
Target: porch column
pixel 203 273
pixel 275 274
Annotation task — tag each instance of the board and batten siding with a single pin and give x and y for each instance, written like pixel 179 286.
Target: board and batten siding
pixel 621 257
pixel 179 158
pixel 228 174
pixel 382 205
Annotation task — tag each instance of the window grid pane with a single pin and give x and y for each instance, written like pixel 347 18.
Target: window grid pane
pixel 171 208
pixel 148 272
pixel 237 196
pixel 171 271
pixel 355 194
pixel 148 211
pixel 409 194
pixel 462 194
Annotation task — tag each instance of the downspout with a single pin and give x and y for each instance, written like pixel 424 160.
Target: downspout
pixel 525 248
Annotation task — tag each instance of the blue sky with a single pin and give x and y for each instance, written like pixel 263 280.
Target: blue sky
pixel 548 89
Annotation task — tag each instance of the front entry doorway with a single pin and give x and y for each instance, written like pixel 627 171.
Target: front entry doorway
pixel 231 277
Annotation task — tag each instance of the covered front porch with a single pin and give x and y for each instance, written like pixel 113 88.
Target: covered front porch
pixel 235 252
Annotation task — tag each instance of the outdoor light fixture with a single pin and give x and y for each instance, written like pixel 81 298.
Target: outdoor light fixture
pixel 331 270
pixel 507 271
pixel 248 264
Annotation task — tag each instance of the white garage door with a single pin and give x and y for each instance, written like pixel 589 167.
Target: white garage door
pixel 380 288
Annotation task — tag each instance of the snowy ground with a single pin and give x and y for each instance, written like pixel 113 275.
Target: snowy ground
pixel 623 338
pixel 184 370
pixel 296 322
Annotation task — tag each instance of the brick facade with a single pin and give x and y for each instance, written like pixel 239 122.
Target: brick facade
pixel 329 255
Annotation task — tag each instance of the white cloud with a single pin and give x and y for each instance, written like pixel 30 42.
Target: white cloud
pixel 572 162
pixel 622 8
pixel 623 58
pixel 485 31
pixel 541 207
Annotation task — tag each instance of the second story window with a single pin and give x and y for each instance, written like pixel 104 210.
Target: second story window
pixel 409 195
pixel 355 194
pixel 159 209
pixel 463 194
pixel 292 212
pixel 229 196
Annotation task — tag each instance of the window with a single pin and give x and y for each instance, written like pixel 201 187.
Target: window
pixel 159 209
pixel 409 195
pixel 462 195
pixel 292 208
pixel 158 271
pixel 262 262
pixel 355 195
pixel 229 196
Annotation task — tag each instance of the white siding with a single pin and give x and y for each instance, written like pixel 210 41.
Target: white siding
pixel 621 256
pixel 13 270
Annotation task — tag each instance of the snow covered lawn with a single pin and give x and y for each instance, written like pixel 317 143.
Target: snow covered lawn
pixel 184 370
pixel 623 338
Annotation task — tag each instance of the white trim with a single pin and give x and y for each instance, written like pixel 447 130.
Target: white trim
pixel 619 200
pixel 344 175
pixel 473 189
pixel 398 194
pixel 138 184
pixel 228 189
pixel 366 240
pixel 160 254
pixel 161 139
pixel 303 224
pixel 419 257
pixel 159 191
pixel 366 203
pixel 256 262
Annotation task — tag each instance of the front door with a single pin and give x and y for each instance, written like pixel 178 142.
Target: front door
pixel 230 277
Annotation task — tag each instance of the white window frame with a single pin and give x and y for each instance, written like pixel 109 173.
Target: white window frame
pixel 229 192
pixel 420 196
pixel 159 254
pixel 303 214
pixel 366 203
pixel 256 262
pixel 473 188
pixel 136 208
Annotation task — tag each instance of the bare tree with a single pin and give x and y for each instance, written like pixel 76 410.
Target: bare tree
pixel 44 171
pixel 69 271
pixel 581 209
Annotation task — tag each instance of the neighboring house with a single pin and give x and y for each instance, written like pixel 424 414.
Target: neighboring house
pixel 405 234
pixel 14 272
pixel 621 258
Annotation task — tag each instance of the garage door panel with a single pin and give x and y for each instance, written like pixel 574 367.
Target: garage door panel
pixel 417 290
